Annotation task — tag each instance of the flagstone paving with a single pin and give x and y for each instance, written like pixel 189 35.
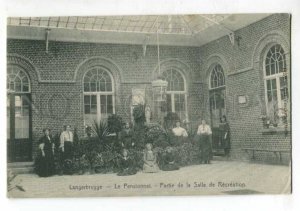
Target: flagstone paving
pixel 218 178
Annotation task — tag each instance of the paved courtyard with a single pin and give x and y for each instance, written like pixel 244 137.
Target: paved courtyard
pixel 220 177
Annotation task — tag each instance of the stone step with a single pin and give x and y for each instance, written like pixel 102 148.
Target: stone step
pixel 21 167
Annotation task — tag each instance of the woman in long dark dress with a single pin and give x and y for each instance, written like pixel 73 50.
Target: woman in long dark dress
pixel 126 163
pixel 225 135
pixel 45 162
pixel 204 132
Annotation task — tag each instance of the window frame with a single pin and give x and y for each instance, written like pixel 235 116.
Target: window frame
pixel 210 75
pixel 27 76
pixel 277 77
pixel 98 94
pixel 173 93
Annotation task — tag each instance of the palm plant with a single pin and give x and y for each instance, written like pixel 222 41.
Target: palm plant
pixel 100 130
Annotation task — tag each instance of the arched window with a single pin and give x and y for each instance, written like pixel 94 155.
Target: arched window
pixel 217 78
pixel 98 91
pixel 17 80
pixel 176 92
pixel 276 83
pixel 217 95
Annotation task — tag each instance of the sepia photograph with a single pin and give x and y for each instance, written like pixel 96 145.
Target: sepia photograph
pixel 148 105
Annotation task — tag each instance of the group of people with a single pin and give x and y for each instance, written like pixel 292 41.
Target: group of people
pixel 46 166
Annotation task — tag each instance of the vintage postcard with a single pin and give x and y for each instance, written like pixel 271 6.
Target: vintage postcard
pixel 148 105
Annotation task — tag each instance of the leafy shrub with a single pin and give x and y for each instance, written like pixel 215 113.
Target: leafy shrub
pixel 114 123
pixel 156 135
pixel 187 153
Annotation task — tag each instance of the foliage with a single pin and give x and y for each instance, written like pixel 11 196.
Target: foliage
pixel 155 132
pixel 139 114
pixel 115 123
pixel 86 151
pixel 100 130
pixel 187 154
pixel 139 136
pixel 80 165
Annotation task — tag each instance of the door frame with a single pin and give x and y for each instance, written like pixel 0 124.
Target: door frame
pixel 11 146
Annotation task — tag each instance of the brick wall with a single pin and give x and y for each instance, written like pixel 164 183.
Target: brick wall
pixel 243 66
pixel 56 79
pixel 57 76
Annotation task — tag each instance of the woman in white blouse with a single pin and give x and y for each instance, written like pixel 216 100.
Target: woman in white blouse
pixel 179 133
pixel 66 142
pixel 204 132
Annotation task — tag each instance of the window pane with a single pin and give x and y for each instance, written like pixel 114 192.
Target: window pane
pixel 102 86
pixel 93 87
pixel 103 104
pixel 86 87
pixel 87 99
pixel 283 88
pixel 94 99
pixel 109 108
pixel 87 109
pixel 108 87
pixel 93 109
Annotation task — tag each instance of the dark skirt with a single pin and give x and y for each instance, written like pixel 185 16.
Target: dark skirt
pixel 45 164
pixel 205 148
pixel 68 150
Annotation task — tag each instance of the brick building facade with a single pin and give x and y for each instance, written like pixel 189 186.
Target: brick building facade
pixel 57 92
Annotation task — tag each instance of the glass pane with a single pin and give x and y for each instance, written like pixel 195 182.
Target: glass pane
pixel 269 85
pixel 87 109
pixel 93 109
pixel 108 87
pixel 18 87
pixel 94 99
pixel 86 87
pixel 103 104
pixel 102 86
pixel 103 109
pixel 109 109
pixel 93 87
pixel 109 99
pixel 87 100
pixel 21 127
pixel 283 88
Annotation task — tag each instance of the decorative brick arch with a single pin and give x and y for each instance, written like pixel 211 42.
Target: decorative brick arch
pixel 107 64
pixel 264 44
pixel 26 65
pixel 212 60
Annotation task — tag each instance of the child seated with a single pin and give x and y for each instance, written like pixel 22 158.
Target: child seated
pixel 150 165
pixel 169 161
pixel 126 164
